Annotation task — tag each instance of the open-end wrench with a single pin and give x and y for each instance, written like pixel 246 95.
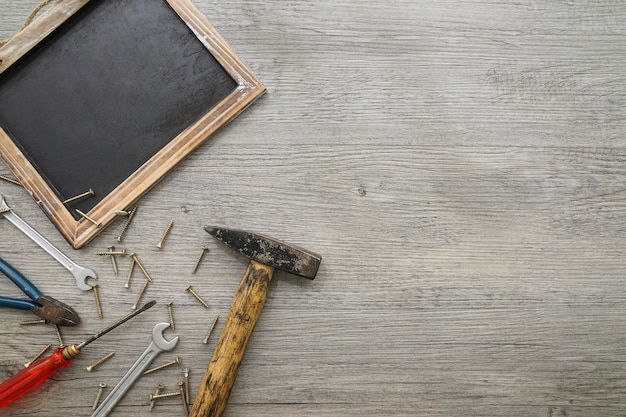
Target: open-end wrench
pixel 80 273
pixel 159 344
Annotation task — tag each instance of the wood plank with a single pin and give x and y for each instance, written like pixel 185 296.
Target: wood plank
pixel 460 168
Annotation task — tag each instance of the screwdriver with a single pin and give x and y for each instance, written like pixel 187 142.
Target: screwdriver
pixel 31 377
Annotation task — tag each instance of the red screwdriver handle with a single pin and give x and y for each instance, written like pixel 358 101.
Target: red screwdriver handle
pixel 31 377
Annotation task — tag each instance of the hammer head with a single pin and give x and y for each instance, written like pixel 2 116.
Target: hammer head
pixel 269 251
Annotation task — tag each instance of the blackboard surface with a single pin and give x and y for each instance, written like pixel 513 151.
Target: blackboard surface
pixel 105 92
pixel 110 96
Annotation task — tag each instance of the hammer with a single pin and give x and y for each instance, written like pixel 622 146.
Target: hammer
pixel 265 255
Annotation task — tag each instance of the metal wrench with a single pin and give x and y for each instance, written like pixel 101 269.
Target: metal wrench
pixel 80 273
pixel 159 344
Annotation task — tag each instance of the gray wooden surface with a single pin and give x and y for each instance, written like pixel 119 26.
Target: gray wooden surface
pixel 460 167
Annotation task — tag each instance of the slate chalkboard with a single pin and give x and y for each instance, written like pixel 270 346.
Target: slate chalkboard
pixel 111 95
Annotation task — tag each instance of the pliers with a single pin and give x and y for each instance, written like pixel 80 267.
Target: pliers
pixel 42 305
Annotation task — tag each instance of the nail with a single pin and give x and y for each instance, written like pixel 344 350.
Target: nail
pixel 171 314
pixel 181 387
pixel 31 322
pixel 99 361
pixel 195 294
pixel 134 306
pixel 134 256
pixel 186 375
pixel 122 213
pixel 98 305
pixel 112 252
pixel 165 233
pixel 102 386
pixel 130 273
pixel 61 344
pixel 37 356
pixel 96 223
pixel 154 397
pixel 79 196
pixel 5 210
pixel 131 214
pixel 206 339
pixel 158 389
pixel 113 261
pixel 195 267
pixel 178 360
pixel 11 180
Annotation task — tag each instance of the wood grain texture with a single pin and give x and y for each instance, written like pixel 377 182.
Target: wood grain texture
pixel 244 312
pixel 460 167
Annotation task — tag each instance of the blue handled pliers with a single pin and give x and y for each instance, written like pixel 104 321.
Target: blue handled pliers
pixel 42 305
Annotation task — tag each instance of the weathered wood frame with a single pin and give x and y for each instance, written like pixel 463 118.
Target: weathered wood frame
pixel 79 232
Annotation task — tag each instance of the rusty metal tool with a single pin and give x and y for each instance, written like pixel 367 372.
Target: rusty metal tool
pixel 44 306
pixel 265 254
pixel 159 344
pixel 80 273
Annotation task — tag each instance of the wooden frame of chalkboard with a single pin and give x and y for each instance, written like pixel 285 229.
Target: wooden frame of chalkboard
pixel 108 96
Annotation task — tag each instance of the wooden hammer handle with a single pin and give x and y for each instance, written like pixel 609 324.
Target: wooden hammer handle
pixel 244 312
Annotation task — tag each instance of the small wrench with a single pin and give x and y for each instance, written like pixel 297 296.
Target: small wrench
pixel 159 344
pixel 80 273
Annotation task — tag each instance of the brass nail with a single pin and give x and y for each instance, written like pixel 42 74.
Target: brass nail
pixel 195 294
pixel 178 360
pixel 181 387
pixel 96 223
pixel 206 339
pixel 113 261
pixel 37 356
pixel 31 322
pixel 78 197
pixel 186 375
pixel 140 266
pixel 134 306
pixel 154 397
pixel 11 180
pixel 61 344
pixel 98 305
pixel 112 252
pixel 101 388
pixel 131 214
pixel 99 361
pixel 130 273
pixel 158 389
pixel 195 267
pixel 165 233
pixel 170 314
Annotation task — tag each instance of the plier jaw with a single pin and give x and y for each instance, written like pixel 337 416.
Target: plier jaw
pixel 43 306
pixel 56 312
